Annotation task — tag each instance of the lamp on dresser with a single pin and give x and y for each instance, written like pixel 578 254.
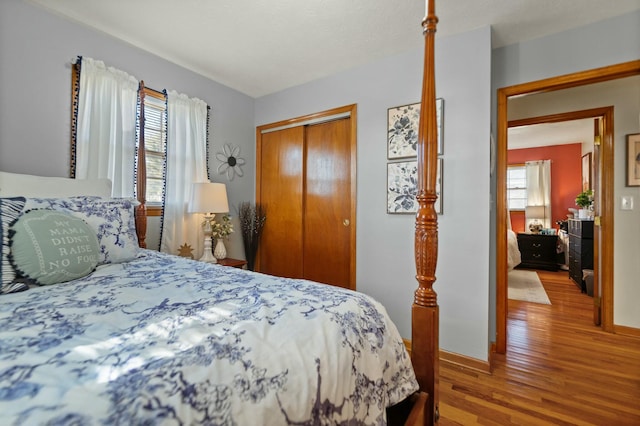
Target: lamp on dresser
pixel 208 198
pixel 533 213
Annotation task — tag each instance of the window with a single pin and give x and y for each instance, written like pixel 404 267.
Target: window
pixel 516 187
pixel 153 132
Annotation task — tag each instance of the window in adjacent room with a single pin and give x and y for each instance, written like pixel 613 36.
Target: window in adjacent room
pixel 516 187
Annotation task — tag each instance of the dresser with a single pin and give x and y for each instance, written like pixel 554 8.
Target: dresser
pixel 538 251
pixel 580 250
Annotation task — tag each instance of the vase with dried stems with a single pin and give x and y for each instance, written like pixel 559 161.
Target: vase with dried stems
pixel 252 218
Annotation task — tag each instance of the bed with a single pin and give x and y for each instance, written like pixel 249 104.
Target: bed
pixel 149 338
pixel 513 251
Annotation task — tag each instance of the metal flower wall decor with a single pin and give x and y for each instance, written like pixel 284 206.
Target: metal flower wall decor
pixel 230 162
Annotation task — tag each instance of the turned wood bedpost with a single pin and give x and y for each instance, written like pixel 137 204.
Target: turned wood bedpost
pixel 424 312
pixel 141 177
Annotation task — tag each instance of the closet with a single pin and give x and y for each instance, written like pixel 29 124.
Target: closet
pixel 305 178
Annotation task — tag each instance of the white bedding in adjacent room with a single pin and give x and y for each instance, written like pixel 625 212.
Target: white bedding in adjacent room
pixel 513 252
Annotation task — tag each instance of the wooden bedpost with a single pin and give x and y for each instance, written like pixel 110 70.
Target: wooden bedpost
pixel 141 178
pixel 424 312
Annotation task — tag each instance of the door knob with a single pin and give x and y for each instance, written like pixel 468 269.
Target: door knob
pixel 346 222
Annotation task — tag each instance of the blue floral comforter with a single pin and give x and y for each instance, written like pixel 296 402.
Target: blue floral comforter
pixel 165 340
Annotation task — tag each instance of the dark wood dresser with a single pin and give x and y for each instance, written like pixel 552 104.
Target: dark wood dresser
pixel 580 250
pixel 538 251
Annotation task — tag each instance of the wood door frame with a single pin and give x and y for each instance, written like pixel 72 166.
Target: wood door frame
pixel 314 118
pixel 597 75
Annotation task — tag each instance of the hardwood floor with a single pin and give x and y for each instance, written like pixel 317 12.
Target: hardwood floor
pixel 559 369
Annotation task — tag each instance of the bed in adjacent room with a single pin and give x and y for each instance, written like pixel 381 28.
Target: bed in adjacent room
pixel 513 251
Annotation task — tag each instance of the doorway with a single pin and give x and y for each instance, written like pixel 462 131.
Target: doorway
pixel 546 135
pixel 605 230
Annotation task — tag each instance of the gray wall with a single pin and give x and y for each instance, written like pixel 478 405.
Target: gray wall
pixel 385 265
pixel 611 41
pixel 36 49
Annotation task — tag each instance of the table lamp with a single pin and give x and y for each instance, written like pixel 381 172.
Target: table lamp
pixel 534 213
pixel 208 198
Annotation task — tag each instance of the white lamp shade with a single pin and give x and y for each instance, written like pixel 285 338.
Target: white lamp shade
pixel 208 197
pixel 535 212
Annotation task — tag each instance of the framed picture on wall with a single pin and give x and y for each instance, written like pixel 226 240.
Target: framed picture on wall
pixel 402 187
pixel 438 205
pixel 586 171
pixel 633 159
pixel 402 130
pixel 440 124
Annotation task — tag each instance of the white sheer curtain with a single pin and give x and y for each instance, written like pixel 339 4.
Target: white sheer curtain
pixel 539 189
pixel 106 126
pixel 186 163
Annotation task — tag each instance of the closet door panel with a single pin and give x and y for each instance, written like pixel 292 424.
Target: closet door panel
pixel 282 185
pixel 327 223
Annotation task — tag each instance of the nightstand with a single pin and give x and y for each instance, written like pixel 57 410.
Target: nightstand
pixel 538 251
pixel 234 263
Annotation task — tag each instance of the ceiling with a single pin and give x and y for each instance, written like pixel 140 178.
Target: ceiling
pixel 261 47
pixel 565 132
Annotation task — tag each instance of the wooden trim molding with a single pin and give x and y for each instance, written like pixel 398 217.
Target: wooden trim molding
pixel 597 75
pixel 154 210
pixel 459 361
pixel 626 331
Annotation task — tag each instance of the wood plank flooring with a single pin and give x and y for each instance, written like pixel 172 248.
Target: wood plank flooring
pixel 559 369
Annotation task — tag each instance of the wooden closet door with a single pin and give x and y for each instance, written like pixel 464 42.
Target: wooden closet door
pixel 281 192
pixel 327 206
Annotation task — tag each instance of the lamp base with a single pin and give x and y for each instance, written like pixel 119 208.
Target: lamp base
pixel 535 227
pixel 207 256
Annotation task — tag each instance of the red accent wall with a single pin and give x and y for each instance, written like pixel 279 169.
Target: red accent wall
pixel 566 178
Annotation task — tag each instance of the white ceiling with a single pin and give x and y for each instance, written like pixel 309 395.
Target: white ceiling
pixel 566 132
pixel 261 47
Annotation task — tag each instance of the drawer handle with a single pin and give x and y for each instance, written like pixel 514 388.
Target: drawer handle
pixel 536 255
pixel 536 245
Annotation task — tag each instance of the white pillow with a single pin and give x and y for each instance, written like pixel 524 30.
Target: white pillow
pixel 19 185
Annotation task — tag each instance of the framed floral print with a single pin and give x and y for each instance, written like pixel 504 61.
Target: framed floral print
pixel 402 130
pixel 402 184
pixel 402 187
pixel 440 124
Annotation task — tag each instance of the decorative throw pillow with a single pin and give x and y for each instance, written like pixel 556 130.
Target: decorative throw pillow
pixel 115 221
pixel 112 218
pixel 10 209
pixel 49 247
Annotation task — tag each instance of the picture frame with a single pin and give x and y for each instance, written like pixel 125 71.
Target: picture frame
pixel 586 172
pixel 403 126
pixel 440 124
pixel 633 159
pixel 402 187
